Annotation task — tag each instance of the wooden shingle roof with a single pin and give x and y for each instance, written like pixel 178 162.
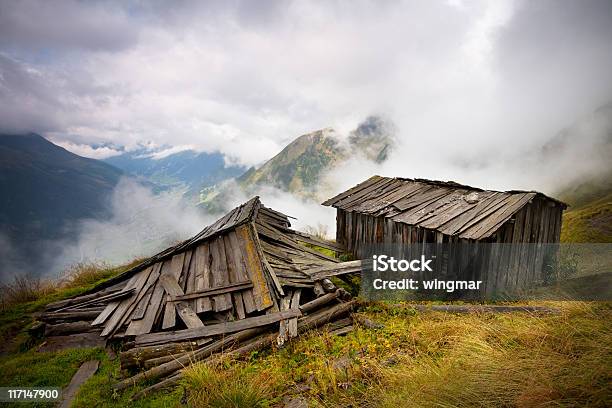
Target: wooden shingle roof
pixel 447 207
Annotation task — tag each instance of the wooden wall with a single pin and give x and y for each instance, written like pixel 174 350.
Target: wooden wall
pixel 223 275
pixel 501 267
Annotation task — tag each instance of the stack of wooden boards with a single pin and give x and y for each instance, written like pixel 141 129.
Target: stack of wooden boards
pixel 242 277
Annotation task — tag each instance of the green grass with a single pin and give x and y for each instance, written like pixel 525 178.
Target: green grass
pixel 97 391
pixel 55 369
pixel 16 314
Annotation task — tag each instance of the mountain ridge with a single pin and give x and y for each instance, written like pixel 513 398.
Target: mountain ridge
pixel 46 189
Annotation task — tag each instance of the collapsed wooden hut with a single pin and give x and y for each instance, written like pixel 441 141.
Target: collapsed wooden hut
pixel 384 210
pixel 247 277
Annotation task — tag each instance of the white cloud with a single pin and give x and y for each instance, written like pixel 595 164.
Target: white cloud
pixel 86 150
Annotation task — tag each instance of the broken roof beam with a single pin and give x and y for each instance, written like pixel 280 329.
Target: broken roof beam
pixel 316 241
pixel 341 268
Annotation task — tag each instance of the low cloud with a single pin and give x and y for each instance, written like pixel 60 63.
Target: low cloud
pixel 85 150
pixel 141 224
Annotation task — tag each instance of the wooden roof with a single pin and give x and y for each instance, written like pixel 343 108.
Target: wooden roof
pixel 236 217
pixel 447 207
pixel 283 247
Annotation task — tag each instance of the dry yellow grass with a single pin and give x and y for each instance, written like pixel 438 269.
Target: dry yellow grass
pixel 441 360
pixel 24 289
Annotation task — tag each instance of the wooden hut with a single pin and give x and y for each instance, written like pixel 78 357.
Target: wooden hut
pixel 248 269
pixel 384 210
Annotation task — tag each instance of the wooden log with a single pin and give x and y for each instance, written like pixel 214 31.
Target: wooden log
pixel 216 329
pixel 72 315
pixel 154 362
pixel 320 301
pixel 168 382
pixel 257 343
pixel 172 366
pixel 136 357
pixel 328 286
pixel 68 328
pixel 318 289
pixel 324 316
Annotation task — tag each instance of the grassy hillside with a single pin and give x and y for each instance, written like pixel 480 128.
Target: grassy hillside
pixel 589 217
pixel 417 359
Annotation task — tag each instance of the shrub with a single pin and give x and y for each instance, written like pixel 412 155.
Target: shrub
pixel 24 289
pixel 85 274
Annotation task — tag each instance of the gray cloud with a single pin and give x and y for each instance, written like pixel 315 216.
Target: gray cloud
pixel 460 79
pixel 49 27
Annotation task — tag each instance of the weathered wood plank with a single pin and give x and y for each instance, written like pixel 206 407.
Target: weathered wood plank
pixel 218 269
pixel 112 306
pixel 234 287
pixel 364 184
pixel 185 312
pixel 146 323
pixel 123 309
pixel 340 268
pixel 217 329
pixel 292 326
pixel 203 277
pixel 241 272
pixel 99 299
pixel 60 329
pixel 283 334
pixel 233 277
pixel 261 293
pixel 85 371
pixel 135 325
pixel 176 268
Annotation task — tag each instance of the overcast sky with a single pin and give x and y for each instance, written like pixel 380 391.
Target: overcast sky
pixel 247 77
